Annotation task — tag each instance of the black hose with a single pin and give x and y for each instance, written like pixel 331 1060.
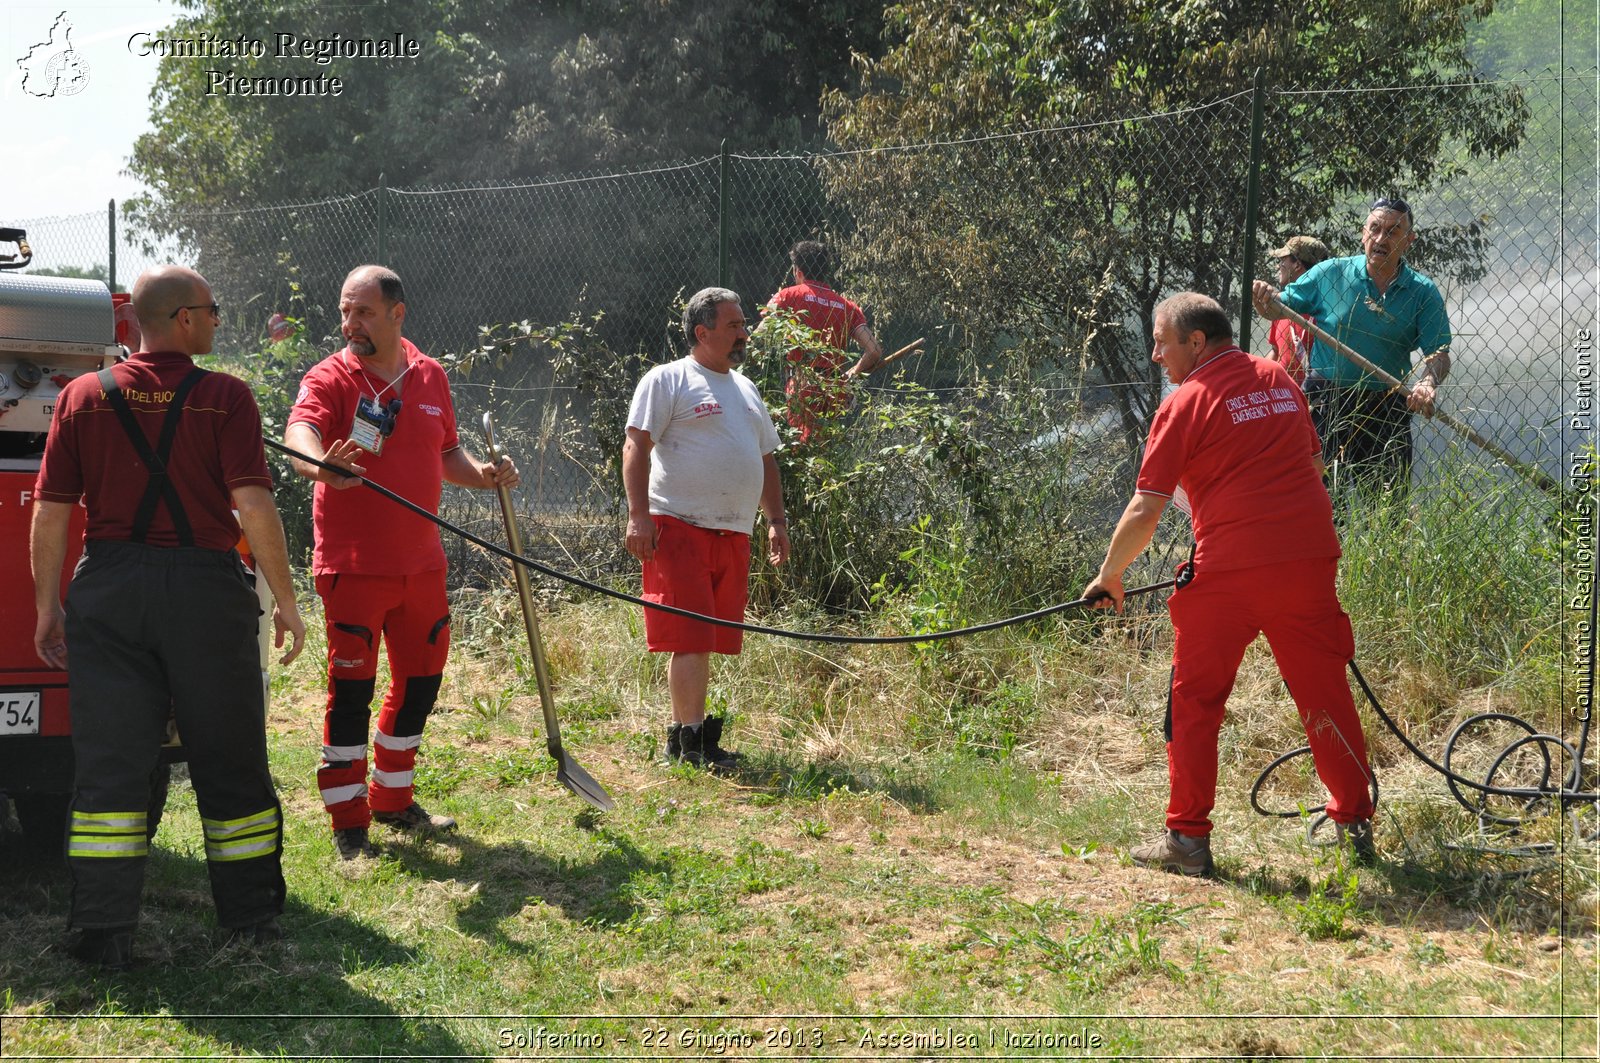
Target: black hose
pixel 1567 792
pixel 759 629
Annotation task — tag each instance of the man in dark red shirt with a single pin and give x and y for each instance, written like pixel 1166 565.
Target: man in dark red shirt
pixel 161 616
pixel 1236 436
pixel 380 406
pixel 816 391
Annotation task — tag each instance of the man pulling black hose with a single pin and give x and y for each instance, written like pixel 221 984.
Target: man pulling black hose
pixel 1236 436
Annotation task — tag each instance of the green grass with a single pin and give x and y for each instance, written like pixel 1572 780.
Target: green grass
pixel 918 831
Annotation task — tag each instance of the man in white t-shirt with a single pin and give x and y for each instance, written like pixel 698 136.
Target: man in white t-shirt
pixel 697 463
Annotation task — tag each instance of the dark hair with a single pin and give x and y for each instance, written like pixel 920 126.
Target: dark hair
pixel 1396 204
pixel 1191 311
pixel 389 285
pixel 702 309
pixel 812 259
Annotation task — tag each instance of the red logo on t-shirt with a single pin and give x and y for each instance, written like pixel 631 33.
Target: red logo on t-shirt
pixel 707 409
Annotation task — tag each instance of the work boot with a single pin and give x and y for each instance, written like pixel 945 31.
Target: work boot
pixel 110 947
pixel 674 744
pixel 265 932
pixel 1358 834
pixel 691 738
pixel 715 754
pixel 353 843
pixel 414 819
pixel 1183 853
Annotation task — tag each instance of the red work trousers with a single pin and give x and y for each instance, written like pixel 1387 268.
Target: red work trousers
pixel 411 616
pixel 1215 618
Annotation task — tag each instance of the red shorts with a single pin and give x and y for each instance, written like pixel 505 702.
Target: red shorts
pixel 702 570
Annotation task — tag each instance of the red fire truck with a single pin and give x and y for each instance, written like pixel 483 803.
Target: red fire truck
pixel 51 330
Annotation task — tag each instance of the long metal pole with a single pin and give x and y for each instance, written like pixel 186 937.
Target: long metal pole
pixel 1252 203
pixel 383 220
pixel 724 192
pixel 1534 475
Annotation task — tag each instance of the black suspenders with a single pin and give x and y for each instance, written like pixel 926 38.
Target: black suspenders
pixel 161 488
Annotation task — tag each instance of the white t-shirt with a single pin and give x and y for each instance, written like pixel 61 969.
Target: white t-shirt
pixel 711 431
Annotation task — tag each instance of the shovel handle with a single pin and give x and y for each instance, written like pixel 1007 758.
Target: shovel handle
pixel 914 347
pixel 530 618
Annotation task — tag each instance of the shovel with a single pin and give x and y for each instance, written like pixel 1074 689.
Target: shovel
pixel 569 773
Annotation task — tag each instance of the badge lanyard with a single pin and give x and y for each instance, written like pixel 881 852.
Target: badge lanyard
pixel 374 421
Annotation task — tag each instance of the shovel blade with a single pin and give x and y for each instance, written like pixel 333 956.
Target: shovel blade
pixel 570 773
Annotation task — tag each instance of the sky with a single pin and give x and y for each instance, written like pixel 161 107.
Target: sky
pixel 65 154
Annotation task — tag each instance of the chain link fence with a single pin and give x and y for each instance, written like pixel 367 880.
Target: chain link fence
pixel 1031 261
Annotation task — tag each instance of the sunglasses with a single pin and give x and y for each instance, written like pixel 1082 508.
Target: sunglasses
pixel 1394 203
pixel 216 310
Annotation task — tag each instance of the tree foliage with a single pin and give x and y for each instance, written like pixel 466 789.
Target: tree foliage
pixel 501 89
pixel 1046 244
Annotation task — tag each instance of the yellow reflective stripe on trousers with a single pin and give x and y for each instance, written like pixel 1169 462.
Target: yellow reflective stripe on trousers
pixel 107 834
pixel 108 820
pixel 223 828
pixel 243 848
pixel 242 839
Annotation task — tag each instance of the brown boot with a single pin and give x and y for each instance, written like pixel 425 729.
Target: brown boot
pixel 1183 853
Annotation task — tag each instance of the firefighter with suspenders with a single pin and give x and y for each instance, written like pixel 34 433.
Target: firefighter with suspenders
pixel 161 618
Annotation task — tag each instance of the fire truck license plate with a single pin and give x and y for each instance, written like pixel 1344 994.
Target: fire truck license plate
pixel 19 712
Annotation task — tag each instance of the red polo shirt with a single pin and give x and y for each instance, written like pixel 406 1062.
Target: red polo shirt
pixel 357 530
pixel 88 455
pixel 1237 436
pixel 827 313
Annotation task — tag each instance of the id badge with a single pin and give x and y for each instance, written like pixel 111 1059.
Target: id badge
pixel 367 429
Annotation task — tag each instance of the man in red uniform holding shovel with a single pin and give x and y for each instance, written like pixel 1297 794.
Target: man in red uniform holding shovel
pixel 1236 436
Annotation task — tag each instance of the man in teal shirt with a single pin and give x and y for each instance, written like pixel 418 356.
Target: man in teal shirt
pixel 1383 309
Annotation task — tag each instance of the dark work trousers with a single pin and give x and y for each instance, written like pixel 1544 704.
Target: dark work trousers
pixel 1366 434
pixel 152 631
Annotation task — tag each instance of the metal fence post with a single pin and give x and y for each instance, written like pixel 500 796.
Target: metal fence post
pixel 383 220
pixel 1252 198
pixel 111 244
pixel 723 194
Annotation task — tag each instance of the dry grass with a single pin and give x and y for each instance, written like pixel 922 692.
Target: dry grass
pixel 871 860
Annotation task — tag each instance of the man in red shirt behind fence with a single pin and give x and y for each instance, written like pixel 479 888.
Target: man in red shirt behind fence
pixel 836 321
pixel 1291 344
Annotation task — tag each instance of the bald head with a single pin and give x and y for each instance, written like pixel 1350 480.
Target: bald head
pixel 160 291
pixel 387 280
pixel 172 305
pixel 372 313
pixel 1192 312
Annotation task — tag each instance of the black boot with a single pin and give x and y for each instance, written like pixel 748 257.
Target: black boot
pixel 674 743
pixel 110 947
pixel 715 754
pixel 691 744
